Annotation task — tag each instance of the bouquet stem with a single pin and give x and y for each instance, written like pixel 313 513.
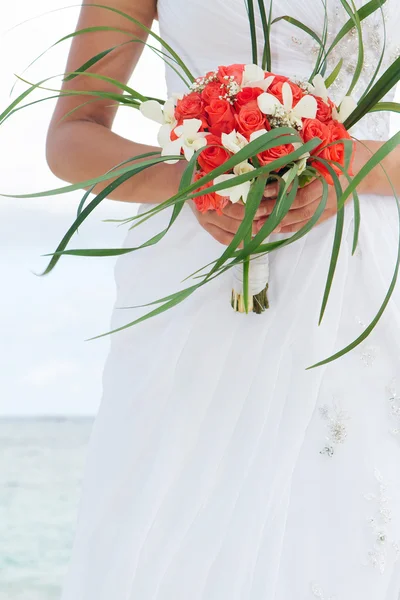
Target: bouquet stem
pixel 250 285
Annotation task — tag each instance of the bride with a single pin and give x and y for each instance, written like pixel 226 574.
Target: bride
pixel 219 468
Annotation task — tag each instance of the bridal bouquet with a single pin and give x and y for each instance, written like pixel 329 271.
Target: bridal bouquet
pixel 228 109
pixel 240 127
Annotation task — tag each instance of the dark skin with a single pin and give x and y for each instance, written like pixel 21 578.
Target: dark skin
pixel 83 146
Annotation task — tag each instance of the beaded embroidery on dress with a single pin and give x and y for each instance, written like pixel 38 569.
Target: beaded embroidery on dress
pixel 219 468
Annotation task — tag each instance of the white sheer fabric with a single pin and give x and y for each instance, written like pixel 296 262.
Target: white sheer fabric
pixel 219 468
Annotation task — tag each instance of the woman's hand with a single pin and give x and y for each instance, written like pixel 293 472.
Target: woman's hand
pixel 309 197
pixel 223 227
pixel 304 206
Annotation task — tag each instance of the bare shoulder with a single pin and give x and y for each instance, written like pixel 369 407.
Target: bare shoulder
pixel 118 25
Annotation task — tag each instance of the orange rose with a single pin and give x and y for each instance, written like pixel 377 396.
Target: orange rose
pixel 277 78
pixel 212 90
pixel 312 128
pixel 272 154
pixel 212 155
pixel 235 70
pixel 246 96
pixel 324 111
pixel 208 201
pixel 335 152
pixel 250 119
pixel 276 90
pixel 220 116
pixel 190 107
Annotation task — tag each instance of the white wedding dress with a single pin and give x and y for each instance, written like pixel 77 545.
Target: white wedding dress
pixel 219 468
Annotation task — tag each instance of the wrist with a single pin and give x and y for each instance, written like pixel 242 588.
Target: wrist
pixel 365 149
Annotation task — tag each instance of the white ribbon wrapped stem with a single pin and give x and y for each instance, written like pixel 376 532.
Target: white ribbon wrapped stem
pixel 258 275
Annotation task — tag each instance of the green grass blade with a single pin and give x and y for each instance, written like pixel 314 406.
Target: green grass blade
pixel 384 85
pixel 334 75
pixel 374 161
pixel 319 65
pixel 301 26
pixel 89 182
pixel 386 107
pixel 381 58
pixel 266 25
pixel 368 330
pixel 178 298
pixel 364 12
pixel 336 240
pixel 161 41
pixel 253 34
pixel 354 16
pixel 121 164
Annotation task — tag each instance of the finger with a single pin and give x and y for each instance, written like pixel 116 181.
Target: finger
pixel 308 194
pixel 328 214
pixel 222 236
pixel 271 190
pixel 298 215
pixel 304 197
pixel 223 222
pixel 235 211
pixel 263 210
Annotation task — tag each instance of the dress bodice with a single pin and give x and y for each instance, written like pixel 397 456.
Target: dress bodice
pixel 208 33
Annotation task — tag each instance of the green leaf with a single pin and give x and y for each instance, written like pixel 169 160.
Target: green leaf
pixel 386 83
pixel 253 34
pixel 301 26
pixel 380 61
pixel 266 25
pixel 337 237
pixel 123 98
pixel 368 330
pixel 354 16
pixel 386 107
pixel 364 12
pixel 121 164
pixel 89 182
pixel 177 299
pixel 91 206
pixel 19 99
pixel 334 75
pixel 151 33
pixel 377 158
pixel 322 51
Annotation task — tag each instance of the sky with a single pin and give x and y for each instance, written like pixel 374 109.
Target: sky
pixel 46 366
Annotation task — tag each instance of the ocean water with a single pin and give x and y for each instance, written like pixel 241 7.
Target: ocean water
pixel 41 469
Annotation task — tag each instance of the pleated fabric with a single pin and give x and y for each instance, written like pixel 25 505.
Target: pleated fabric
pixel 219 467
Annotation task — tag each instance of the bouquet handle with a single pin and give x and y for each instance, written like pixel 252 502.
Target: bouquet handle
pixel 258 281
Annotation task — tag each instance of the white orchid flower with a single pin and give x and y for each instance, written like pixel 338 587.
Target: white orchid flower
pixel 320 88
pixel 346 108
pixel 254 76
pixel 233 141
pixel 190 139
pixel 306 155
pixel 165 115
pixel 257 134
pixel 240 191
pixel 306 108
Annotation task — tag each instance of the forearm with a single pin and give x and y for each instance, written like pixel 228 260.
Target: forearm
pixel 376 182
pixel 81 150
